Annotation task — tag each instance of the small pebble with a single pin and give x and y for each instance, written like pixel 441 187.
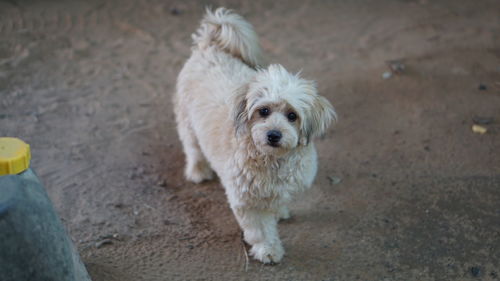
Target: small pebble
pixel 334 180
pixel 396 66
pixel 475 271
pixel 387 75
pixel 482 87
pixel 175 11
pixel 479 129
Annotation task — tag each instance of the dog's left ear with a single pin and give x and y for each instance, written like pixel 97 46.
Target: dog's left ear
pixel 320 117
pixel 240 113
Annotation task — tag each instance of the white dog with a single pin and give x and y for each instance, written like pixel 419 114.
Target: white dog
pixel 250 124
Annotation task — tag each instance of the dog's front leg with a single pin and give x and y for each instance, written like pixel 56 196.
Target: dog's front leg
pixel 283 213
pixel 260 229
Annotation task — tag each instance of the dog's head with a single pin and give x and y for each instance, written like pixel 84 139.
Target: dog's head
pixel 281 111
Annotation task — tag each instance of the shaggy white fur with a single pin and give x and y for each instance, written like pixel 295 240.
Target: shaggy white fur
pixel 250 124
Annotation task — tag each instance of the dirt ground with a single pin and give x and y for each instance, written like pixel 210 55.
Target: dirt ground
pixel 405 189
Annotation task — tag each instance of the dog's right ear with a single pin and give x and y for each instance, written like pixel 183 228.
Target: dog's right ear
pixel 240 113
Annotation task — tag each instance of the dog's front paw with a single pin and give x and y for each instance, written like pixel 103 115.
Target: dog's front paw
pixel 199 173
pixel 267 253
pixel 283 213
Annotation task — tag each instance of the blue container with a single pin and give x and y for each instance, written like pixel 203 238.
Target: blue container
pixel 34 245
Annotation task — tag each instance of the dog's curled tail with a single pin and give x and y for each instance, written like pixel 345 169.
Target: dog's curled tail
pixel 231 33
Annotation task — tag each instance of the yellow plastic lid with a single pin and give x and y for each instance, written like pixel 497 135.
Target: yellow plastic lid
pixel 14 156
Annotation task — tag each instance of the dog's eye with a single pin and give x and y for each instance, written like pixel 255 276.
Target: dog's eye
pixel 292 116
pixel 264 112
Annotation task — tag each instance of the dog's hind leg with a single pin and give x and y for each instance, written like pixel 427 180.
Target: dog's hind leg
pixel 197 167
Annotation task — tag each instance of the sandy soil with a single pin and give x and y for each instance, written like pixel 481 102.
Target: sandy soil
pixel 89 83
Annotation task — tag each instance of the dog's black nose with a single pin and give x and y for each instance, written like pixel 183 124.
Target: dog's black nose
pixel 273 136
